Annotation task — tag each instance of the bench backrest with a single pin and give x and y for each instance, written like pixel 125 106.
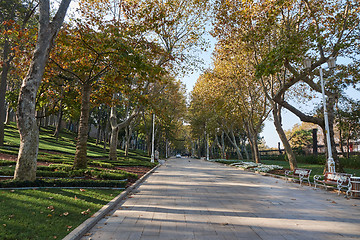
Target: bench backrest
pixel 344 177
pixel 302 171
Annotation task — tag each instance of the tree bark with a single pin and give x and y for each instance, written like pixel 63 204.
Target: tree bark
pixel 243 147
pixel 223 145
pixel 232 140
pixel 58 125
pixel 255 148
pixel 252 136
pixel 113 143
pixel 7 118
pixel 115 128
pixel 26 122
pixel 128 138
pixel 80 160
pixel 278 126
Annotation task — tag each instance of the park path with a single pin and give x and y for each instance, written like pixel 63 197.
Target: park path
pixel 195 199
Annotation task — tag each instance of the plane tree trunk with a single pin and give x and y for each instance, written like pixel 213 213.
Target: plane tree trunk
pixel 26 121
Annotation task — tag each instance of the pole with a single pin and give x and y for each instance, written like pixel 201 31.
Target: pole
pixel 153 140
pixel 207 145
pixel 330 162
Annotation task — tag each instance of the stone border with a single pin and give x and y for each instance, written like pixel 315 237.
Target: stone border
pixel 83 228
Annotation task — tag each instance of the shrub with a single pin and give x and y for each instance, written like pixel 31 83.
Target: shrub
pixel 7 163
pixel 352 162
pixel 62 183
pixel 311 159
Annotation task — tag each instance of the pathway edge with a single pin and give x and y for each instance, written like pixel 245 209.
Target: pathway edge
pixel 84 227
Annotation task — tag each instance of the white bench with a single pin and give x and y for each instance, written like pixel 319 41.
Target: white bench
pixel 299 173
pixel 338 180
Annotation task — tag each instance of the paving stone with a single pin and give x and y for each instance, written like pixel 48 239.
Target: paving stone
pixel 202 200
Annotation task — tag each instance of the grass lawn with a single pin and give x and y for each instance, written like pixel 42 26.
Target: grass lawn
pixel 53 213
pixel 316 168
pixel 47 214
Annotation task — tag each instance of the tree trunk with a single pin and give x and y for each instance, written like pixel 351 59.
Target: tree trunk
pixel 256 153
pixel 58 125
pixel 243 147
pixel 80 160
pixel 330 109
pixel 234 143
pixel 223 154
pixel 128 139
pixel 348 148
pixel 26 122
pixel 114 134
pixel 3 85
pixel 113 143
pixel 278 126
pixel 7 119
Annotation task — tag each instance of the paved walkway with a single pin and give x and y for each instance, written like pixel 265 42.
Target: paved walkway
pixel 195 199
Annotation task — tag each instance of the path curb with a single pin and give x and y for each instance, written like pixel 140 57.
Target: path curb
pixel 83 228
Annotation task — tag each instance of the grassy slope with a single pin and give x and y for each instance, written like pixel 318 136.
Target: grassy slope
pixel 39 214
pixel 47 214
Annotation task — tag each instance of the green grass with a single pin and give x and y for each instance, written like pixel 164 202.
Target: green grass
pixel 66 147
pixel 53 213
pixel 47 214
pixel 317 169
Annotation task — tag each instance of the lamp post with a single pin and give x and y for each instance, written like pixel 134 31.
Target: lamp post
pixel 207 144
pixel 331 64
pixel 153 140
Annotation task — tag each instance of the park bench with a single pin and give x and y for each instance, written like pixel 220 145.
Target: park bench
pixel 300 174
pixel 338 180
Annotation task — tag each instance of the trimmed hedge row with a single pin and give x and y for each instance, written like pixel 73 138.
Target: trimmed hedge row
pixel 63 183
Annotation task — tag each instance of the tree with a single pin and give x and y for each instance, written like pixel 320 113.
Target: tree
pixel 347 119
pixel 283 33
pixel 14 18
pixel 26 122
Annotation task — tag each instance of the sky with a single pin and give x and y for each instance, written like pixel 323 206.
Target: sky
pixel 269 133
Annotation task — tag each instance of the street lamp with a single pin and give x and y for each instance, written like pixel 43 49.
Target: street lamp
pixel 207 144
pixel 153 140
pixel 331 64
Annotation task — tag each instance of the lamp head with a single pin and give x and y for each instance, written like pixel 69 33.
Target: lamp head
pixel 331 62
pixel 307 63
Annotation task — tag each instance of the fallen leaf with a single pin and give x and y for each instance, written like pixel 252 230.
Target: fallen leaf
pixel 86 212
pixel 334 202
pixel 87 234
pixel 82 190
pixel 4 225
pixel 51 207
pixel 49 215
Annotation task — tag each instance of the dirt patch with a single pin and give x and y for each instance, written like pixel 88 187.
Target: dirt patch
pixel 278 171
pixel 4 156
pixel 139 170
